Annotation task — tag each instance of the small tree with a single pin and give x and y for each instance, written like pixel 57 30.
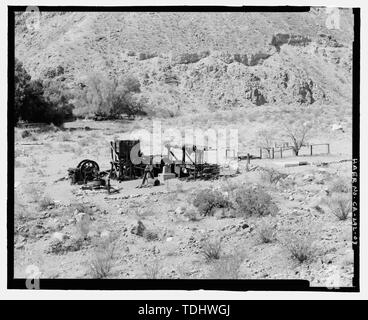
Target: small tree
pixel 265 140
pixel 108 98
pixel 298 135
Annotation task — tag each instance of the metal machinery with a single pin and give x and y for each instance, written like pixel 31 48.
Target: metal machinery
pixel 88 173
pixel 191 164
pixel 123 167
pixel 128 162
pixel 87 170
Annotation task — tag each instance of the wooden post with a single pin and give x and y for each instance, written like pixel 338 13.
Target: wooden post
pixel 328 148
pixel 311 149
pixel 260 153
pixel 273 153
pixel 248 162
pixel 108 185
pixel 195 165
pixel 281 152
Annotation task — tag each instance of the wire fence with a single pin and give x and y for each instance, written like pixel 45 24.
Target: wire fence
pixel 287 151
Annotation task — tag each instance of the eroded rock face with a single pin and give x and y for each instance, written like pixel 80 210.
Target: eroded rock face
pixel 146 55
pixel 254 90
pixel 251 59
pixel 215 75
pixel 328 41
pixel 225 57
pixel 283 79
pixel 258 58
pixel 186 58
pixel 280 39
pixel 241 58
pixel 303 92
pixel 257 97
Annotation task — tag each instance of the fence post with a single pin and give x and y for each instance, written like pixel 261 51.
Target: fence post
pixel 273 153
pixel 311 149
pixel 281 152
pixel 328 148
pixel 260 153
pixel 248 162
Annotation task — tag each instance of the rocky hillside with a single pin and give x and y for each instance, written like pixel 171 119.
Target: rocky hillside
pixel 197 61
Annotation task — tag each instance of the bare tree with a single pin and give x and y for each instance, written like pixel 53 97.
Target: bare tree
pixel 265 140
pixel 298 134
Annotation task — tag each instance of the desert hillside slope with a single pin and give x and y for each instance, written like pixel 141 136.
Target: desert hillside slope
pixel 198 61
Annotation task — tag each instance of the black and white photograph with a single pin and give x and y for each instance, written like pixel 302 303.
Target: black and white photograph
pixel 218 146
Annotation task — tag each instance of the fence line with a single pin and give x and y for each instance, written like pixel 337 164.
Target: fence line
pixel 272 150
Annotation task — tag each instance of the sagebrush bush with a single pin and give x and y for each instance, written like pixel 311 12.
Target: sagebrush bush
pixel 56 247
pixel 272 176
pixel 73 244
pixel 102 259
pixel 208 199
pixel 340 185
pixel 44 202
pixel 229 186
pixel 300 246
pixel 254 201
pixel 340 205
pixel 211 249
pixel 266 232
pixel 69 245
pixel 152 270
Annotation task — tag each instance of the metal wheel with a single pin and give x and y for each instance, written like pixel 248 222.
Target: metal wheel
pixel 88 169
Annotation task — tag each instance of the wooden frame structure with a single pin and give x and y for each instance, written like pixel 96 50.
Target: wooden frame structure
pixel 196 167
pixel 122 167
pixel 189 164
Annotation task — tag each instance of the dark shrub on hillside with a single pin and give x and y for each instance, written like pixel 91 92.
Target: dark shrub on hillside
pixel 254 201
pixel 51 73
pixel 21 81
pixel 59 98
pixel 207 199
pixel 26 134
pixel 38 101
